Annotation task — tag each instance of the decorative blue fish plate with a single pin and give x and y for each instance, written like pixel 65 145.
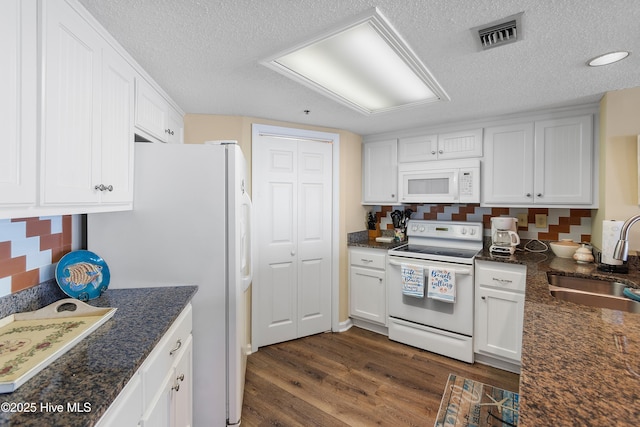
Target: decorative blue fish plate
pixel 82 275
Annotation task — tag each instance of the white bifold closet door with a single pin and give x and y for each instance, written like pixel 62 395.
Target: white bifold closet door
pixel 292 193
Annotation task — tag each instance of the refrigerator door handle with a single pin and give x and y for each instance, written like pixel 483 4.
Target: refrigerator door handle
pixel 247 242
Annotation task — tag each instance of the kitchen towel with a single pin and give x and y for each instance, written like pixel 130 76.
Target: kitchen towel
pixel 442 285
pixel 412 280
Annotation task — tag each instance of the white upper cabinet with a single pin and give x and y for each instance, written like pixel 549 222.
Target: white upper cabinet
pixel 76 156
pixel 544 163
pixel 87 138
pixel 117 148
pixel 418 148
pixel 154 117
pixel 72 67
pixel 452 145
pixel 18 103
pixel 507 172
pixel 564 161
pixel 380 172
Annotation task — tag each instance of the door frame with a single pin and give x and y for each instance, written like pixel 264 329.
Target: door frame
pixel 303 134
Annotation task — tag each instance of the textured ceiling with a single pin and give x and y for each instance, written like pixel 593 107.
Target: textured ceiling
pixel 206 54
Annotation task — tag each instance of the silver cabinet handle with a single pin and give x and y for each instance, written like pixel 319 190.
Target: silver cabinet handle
pixel 440 151
pixel 179 379
pixel 366 260
pixel 433 152
pixel 502 281
pixel 103 187
pixel 176 348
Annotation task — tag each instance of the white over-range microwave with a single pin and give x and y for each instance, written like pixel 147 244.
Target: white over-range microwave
pixel 440 181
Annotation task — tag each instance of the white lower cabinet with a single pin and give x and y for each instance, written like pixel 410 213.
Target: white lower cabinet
pixel 367 285
pixel 160 392
pixel 499 313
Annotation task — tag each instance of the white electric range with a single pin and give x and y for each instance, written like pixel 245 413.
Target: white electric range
pixel 441 327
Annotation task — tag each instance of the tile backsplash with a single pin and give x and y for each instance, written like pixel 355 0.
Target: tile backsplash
pixel 561 223
pixel 31 247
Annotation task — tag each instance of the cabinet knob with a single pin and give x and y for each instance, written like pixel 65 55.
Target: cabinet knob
pixel 433 152
pixel 483 298
pixel 528 194
pixel 539 194
pixel 176 387
pixel 103 187
pixel 180 377
pixel 440 151
pixel 393 195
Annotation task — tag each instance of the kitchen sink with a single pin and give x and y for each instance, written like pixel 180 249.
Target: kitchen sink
pixel 591 292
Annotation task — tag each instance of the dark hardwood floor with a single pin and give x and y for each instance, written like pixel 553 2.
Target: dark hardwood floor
pixel 353 378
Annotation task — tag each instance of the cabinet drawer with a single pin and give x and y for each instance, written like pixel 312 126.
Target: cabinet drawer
pixel 501 275
pixel 372 258
pixel 160 360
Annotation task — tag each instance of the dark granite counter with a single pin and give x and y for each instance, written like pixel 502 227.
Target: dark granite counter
pixel 93 372
pixel 573 372
pixel 361 239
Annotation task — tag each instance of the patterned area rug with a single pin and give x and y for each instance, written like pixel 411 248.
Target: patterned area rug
pixel 468 403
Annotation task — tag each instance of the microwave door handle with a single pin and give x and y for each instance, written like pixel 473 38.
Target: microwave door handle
pixel 456 185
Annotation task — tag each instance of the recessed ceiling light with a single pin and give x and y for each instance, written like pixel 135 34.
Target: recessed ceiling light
pixel 608 58
pixel 365 65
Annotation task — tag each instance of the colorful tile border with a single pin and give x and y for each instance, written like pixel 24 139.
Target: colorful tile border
pixel 30 248
pixel 572 224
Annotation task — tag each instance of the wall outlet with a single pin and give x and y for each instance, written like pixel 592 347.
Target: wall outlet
pixel 541 221
pixel 523 220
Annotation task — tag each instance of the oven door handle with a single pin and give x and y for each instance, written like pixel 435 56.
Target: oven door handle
pixel 463 271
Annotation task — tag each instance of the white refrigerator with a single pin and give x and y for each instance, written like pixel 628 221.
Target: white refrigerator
pixel 191 224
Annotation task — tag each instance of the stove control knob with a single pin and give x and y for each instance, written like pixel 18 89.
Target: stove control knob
pixel 422 228
pixel 414 228
pixel 463 231
pixel 472 231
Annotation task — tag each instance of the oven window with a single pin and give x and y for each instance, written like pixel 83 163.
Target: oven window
pixel 428 185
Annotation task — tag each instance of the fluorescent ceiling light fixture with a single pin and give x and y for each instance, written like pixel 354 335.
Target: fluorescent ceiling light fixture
pixel 365 65
pixel 608 58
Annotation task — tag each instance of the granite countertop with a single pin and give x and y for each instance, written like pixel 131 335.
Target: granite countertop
pixel 361 239
pixel 572 371
pixel 95 370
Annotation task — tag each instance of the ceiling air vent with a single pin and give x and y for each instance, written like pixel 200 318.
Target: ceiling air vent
pixel 507 30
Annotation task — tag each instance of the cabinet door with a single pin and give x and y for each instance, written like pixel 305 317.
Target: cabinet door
pixel 159 413
pixel 418 148
pixel 564 161
pixel 117 129
pixel 18 99
pixel 457 145
pixel 175 134
pixel 151 111
pixel 507 173
pixel 71 134
pixel 380 172
pixel 367 297
pixel 183 387
pixel 499 318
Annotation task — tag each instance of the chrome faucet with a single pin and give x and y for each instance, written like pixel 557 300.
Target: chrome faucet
pixel 622 247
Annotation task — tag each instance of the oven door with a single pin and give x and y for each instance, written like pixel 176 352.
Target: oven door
pixel 454 317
